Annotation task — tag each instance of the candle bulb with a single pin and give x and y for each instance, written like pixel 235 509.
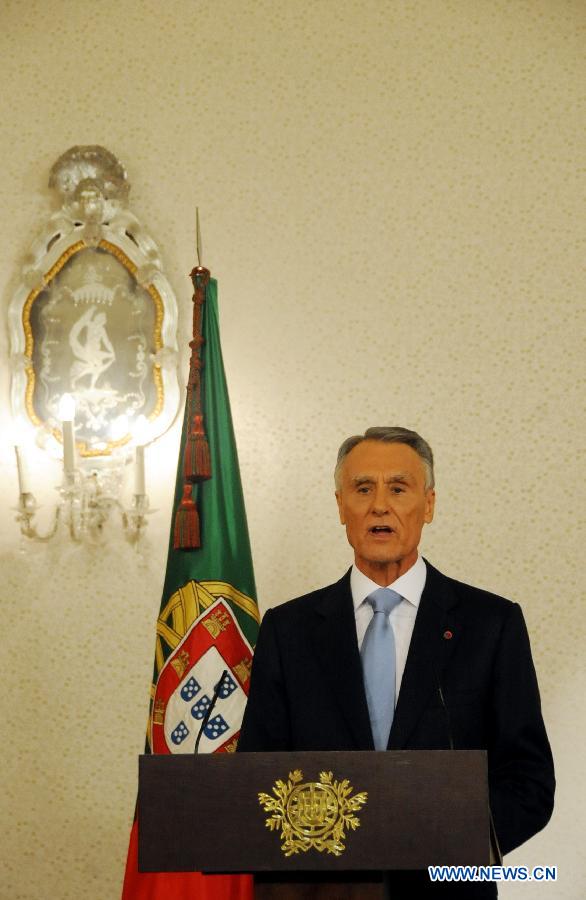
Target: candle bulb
pixel 23 480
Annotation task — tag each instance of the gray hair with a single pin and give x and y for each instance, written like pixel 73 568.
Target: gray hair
pixel 389 435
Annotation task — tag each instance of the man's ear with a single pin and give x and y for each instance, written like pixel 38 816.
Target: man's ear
pixel 340 507
pixel 429 506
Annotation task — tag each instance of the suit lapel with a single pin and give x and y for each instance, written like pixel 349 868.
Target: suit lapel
pixel 435 635
pixel 334 638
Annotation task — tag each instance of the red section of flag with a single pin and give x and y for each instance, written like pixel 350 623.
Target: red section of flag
pixel 180 885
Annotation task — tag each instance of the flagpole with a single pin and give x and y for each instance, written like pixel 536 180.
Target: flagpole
pixel 212 572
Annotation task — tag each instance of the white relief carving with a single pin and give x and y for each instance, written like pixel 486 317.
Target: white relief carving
pixel 91 346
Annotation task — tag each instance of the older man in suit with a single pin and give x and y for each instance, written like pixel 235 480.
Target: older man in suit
pixel 396 655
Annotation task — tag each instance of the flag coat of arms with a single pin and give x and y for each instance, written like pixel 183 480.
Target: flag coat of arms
pixel 208 620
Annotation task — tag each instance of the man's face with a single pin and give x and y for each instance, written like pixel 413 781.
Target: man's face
pixel 383 503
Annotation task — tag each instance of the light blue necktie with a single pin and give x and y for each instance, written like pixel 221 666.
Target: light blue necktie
pixel 378 665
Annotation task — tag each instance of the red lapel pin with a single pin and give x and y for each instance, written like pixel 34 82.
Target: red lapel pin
pixel 448 635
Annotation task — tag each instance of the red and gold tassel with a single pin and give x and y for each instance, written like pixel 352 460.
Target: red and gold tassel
pixel 186 535
pixel 196 462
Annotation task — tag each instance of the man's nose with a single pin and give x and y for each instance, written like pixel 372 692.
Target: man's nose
pixel 380 500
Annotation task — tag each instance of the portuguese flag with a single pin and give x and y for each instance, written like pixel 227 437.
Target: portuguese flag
pixel 208 619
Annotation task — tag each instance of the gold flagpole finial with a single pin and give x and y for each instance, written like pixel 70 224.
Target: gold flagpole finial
pixel 198 237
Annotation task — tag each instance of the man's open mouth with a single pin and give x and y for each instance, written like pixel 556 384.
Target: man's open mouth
pixel 381 529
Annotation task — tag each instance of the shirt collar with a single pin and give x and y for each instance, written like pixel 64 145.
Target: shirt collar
pixel 409 585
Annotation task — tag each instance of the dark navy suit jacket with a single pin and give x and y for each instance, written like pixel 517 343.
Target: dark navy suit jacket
pixel 307 693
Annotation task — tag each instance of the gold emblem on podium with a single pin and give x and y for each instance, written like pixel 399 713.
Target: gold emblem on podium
pixel 313 813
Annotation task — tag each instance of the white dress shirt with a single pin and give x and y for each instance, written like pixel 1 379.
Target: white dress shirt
pixel 410 587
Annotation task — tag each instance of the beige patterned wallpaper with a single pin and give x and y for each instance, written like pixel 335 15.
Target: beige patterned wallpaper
pixel 392 202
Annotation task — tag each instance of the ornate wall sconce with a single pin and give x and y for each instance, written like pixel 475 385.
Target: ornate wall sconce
pixel 93 328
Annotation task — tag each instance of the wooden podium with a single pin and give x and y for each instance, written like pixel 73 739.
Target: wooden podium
pixel 422 807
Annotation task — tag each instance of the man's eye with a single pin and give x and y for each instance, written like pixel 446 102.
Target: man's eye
pixel 397 490
pixel 363 489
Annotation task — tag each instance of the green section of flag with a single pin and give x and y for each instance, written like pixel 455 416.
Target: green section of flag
pixel 224 554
